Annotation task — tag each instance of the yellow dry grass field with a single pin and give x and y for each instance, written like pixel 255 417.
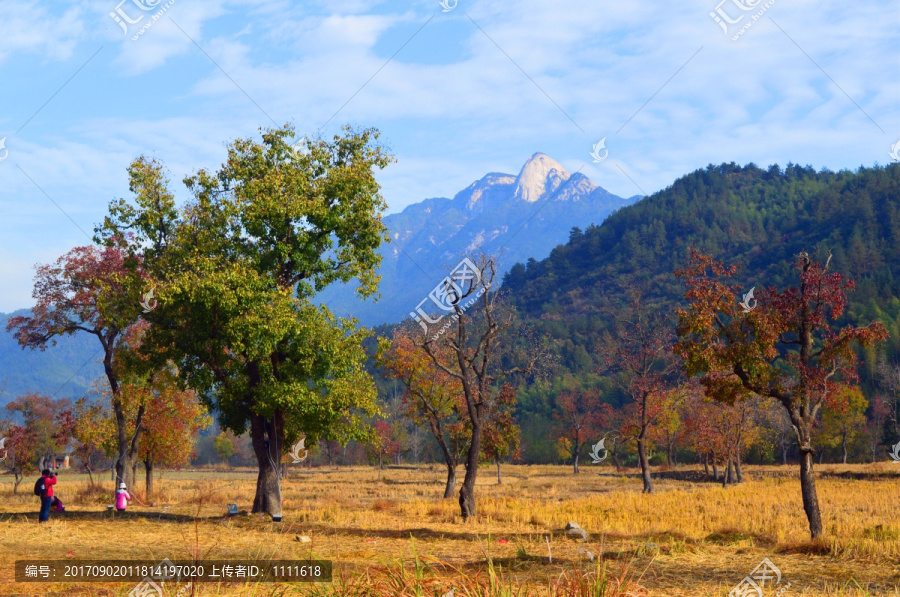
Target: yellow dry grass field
pixel 389 532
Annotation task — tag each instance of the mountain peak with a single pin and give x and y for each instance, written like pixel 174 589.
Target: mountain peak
pixel 540 175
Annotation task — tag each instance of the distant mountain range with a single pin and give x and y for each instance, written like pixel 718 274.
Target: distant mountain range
pixel 62 371
pixel 516 217
pixel 520 216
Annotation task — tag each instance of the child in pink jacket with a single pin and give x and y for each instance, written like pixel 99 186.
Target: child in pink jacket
pixel 122 498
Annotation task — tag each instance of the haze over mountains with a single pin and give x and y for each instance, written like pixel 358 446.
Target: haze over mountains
pixel 516 217
pixel 62 371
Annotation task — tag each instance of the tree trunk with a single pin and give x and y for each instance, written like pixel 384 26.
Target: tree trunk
pixel 451 481
pixel 575 455
pixel 844 445
pixel 645 464
pixel 134 466
pixel 499 476
pixel 267 438
pixel 670 457
pixel 122 460
pixel 467 491
pixel 715 471
pixel 90 475
pixel 784 453
pixel 726 474
pixel 148 477
pixel 615 456
pixel 739 473
pixel 808 483
pixel 127 448
pixel 449 461
pixel 704 458
pixel 821 456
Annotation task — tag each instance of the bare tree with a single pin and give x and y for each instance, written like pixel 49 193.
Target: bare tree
pixel 888 376
pixel 470 348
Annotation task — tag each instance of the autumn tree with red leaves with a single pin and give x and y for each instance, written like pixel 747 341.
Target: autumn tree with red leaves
pixel 172 418
pixel 786 347
pixel 432 396
pixel 581 417
pixel 45 430
pixel 21 454
pixel 641 355
pixel 875 425
pixel 95 291
pixel 721 432
pixel 384 443
pixel 501 433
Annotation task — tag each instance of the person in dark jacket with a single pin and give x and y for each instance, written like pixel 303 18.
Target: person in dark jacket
pixel 47 497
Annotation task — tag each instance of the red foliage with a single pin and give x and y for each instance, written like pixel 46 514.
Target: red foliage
pixel 581 417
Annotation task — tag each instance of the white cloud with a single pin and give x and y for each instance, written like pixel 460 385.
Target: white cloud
pixel 758 99
pixel 31 27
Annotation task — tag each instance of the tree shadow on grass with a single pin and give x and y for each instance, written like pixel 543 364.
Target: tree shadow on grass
pixel 105 515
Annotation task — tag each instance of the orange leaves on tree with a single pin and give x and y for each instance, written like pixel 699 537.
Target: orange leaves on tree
pixel 580 418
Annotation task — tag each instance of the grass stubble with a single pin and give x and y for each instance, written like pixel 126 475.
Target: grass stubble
pixel 389 533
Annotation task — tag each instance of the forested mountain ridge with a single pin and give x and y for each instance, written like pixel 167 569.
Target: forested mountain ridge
pixel 760 218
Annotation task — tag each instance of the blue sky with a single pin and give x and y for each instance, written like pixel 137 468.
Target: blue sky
pixel 456 94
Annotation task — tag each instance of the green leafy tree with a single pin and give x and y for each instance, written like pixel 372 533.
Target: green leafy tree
pixel 224 448
pixel 235 273
pixel 845 424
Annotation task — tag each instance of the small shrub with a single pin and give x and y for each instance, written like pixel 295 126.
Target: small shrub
pixel 93 494
pixel 382 505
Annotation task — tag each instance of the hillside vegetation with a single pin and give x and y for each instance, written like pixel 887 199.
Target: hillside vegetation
pixel 758 218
